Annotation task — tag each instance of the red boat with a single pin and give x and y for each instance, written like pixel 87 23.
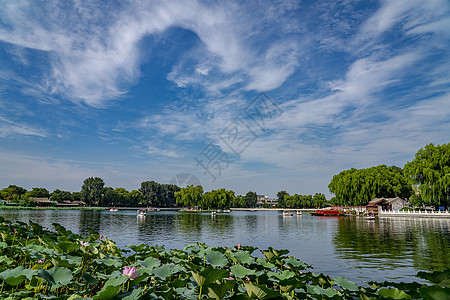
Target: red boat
pixel 327 212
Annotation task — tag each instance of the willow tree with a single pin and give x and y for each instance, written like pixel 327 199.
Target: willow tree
pixel 430 171
pixel 359 186
pixel 189 196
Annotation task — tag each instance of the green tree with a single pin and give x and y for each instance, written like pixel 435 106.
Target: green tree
pixel 318 200
pixel 220 198
pixel 60 196
pixel 92 190
pixel 12 192
pixel 430 171
pixel 150 191
pixel 250 199
pixel 280 198
pixel 358 187
pixel 110 197
pixel 76 196
pixel 136 197
pixel 190 196
pixel 37 193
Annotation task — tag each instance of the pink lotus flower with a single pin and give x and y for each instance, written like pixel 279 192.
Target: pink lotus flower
pixel 130 272
pixel 239 246
pixel 84 243
pixel 229 278
pixel 101 236
pixel 246 278
pixel 40 261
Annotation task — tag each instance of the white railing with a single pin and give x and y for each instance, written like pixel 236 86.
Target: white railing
pixel 414 212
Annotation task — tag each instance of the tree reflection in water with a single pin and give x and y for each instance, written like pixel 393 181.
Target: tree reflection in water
pixel 423 243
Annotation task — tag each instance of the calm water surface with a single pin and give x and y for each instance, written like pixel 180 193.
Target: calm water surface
pixel 361 250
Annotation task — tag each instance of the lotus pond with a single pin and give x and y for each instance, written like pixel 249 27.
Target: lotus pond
pixel 55 263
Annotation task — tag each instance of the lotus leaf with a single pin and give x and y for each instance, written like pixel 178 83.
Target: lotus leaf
pixel 241 271
pixel 260 291
pixel 164 271
pixel 91 280
pixel 216 259
pixel 345 284
pixel 151 262
pixel 109 262
pixel 286 274
pixel 57 275
pixel 218 291
pixel 434 292
pixel 209 275
pixel 17 275
pixel 436 276
pixel 393 293
pixel 136 294
pixel 244 257
pixel 265 263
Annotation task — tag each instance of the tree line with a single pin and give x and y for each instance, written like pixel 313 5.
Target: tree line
pixel 424 181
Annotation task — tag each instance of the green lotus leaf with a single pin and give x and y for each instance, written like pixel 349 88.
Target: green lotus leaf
pixel 265 263
pixel 260 291
pixel 117 280
pixel 317 290
pixel 296 264
pixel 436 276
pixel 186 293
pixel 269 253
pixel 164 271
pixel 209 275
pixel 151 262
pixel 107 292
pixel 68 247
pixel 109 262
pixel 244 257
pixel 91 280
pixel 57 275
pixel 66 260
pixel 178 282
pixel 216 259
pixel 218 291
pixel 6 260
pixel 345 284
pixel 393 293
pixel 241 271
pixel 434 292
pixel 136 294
pixel 17 275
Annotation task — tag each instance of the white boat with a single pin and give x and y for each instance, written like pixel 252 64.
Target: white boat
pixel 370 217
pixel 299 212
pixel 213 213
pixel 287 213
pixel 141 212
pixel 113 209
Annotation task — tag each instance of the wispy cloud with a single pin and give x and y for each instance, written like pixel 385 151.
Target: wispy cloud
pixel 95 54
pixel 9 128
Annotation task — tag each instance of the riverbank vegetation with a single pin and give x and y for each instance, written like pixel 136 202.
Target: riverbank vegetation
pixel 424 181
pixel 38 263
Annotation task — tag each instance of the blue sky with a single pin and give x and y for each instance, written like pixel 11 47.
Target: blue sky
pixel 143 90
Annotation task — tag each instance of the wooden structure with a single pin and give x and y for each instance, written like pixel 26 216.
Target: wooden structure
pixel 386 204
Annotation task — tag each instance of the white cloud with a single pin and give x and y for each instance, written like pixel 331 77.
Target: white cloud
pixel 9 128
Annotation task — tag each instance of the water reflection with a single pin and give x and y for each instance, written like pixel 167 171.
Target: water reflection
pixel 386 242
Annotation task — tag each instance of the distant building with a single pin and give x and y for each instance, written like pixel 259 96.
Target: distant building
pixel 263 199
pixel 391 204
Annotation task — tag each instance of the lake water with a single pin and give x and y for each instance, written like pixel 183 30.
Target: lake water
pixel 362 250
